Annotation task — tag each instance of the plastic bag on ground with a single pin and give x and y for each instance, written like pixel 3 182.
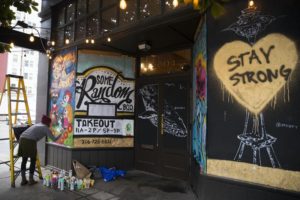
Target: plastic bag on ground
pixel 110 174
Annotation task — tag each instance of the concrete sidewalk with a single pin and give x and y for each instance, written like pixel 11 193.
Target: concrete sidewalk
pixel 136 185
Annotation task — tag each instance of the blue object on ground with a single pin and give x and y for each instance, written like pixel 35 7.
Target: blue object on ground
pixel 110 174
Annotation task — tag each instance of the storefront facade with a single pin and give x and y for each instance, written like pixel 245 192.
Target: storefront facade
pixel 165 89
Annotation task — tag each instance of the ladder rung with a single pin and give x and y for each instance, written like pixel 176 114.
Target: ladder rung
pixel 18 113
pixel 3 120
pixel 3 115
pixel 13 88
pixel 13 76
pixel 15 100
pixel 4 139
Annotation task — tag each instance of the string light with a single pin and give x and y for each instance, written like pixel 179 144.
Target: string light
pixel 87 41
pixel 67 41
pixel 31 38
pixel 123 4
pixel 175 3
pixel 92 41
pixel 53 43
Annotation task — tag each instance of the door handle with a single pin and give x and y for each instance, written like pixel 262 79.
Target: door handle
pixel 162 124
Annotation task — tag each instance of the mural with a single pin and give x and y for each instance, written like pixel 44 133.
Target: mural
pixel 62 90
pixel 253 134
pixel 104 85
pixel 103 94
pixel 173 122
pixel 250 23
pixel 200 110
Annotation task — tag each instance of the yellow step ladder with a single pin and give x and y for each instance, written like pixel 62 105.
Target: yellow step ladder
pixel 12 122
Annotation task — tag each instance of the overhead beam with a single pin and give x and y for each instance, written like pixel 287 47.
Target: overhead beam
pixel 22 39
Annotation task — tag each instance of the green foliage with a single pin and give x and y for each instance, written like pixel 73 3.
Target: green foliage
pixel 7 14
pixel 217 9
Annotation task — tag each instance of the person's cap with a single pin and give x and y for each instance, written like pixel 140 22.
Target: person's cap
pixel 46 120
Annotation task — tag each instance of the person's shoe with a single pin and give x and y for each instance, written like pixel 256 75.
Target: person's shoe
pixel 31 180
pixel 23 174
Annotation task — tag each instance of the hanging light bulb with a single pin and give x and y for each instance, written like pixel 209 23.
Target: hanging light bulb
pixel 53 43
pixel 12 45
pixel 123 4
pixel 251 4
pixel 108 39
pixel 175 3
pixel 67 41
pixel 31 38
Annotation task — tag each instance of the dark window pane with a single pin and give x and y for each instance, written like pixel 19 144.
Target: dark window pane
pixel 149 8
pixel 106 3
pixel 81 8
pixel 167 63
pixel 128 15
pixel 92 25
pixel 61 17
pixel 70 12
pixel 69 34
pixel 80 29
pixel 93 5
pixel 109 19
pixel 169 5
pixel 58 36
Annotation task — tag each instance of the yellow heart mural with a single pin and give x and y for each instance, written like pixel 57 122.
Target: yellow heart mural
pixel 254 74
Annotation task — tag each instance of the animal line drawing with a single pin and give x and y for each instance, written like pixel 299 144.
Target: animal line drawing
pixel 173 122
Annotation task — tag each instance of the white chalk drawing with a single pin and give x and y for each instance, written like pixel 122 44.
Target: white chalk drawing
pixel 257 139
pixel 249 24
pixel 173 122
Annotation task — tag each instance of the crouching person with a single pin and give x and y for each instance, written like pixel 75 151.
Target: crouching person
pixel 28 146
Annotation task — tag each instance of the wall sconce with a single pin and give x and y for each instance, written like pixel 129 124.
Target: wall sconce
pixel 145 68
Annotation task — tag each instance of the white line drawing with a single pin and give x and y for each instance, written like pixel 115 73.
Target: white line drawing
pixel 249 24
pixel 173 124
pixel 257 139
